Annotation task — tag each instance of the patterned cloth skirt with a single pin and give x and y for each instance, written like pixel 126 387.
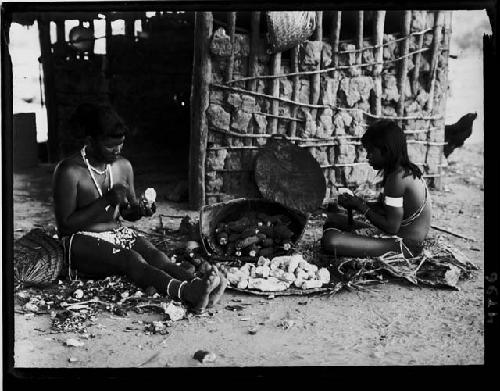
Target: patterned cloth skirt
pixel 121 238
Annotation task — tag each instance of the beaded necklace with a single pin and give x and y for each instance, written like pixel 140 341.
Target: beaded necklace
pixel 90 169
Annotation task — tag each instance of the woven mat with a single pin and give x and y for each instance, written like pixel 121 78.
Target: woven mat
pixel 330 289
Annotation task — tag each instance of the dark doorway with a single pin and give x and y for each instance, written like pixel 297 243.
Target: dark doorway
pixel 149 85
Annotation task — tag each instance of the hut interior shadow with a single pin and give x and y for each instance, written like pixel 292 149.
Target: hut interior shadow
pixel 145 74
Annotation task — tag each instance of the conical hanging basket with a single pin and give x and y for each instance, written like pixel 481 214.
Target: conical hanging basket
pixel 290 175
pixel 288 29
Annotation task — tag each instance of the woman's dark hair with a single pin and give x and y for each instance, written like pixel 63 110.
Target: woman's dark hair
pixel 98 121
pixel 387 136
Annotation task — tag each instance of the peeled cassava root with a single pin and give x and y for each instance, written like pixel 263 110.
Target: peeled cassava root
pixel 278 274
pixel 254 234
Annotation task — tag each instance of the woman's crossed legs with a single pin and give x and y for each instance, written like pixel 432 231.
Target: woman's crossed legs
pixel 339 241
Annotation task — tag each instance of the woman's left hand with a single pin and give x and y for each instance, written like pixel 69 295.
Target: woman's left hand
pixel 132 212
pixel 149 208
pixel 350 202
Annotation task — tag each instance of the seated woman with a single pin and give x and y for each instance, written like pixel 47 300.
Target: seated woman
pixel 402 216
pixel 93 192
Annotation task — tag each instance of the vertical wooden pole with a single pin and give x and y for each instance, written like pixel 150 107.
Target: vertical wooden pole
pixel 109 33
pixel 316 78
pixel 296 89
pixel 50 97
pixel 359 34
pixel 60 37
pixel 129 28
pixel 60 31
pixel 254 47
pixel 378 35
pixel 253 60
pixel 92 28
pixel 276 67
pixel 200 90
pixel 232 28
pixel 418 57
pixel 403 69
pixel 447 18
pixel 436 39
pixel 335 39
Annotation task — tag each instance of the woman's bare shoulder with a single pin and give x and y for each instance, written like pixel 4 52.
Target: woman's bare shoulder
pixel 71 164
pixel 123 164
pixel 395 183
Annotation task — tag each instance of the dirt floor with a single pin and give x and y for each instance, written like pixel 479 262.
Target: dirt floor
pixel 391 324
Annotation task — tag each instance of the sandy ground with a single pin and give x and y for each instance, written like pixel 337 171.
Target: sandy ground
pixel 391 324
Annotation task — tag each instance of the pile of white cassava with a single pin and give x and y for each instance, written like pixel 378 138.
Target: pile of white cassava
pixel 278 274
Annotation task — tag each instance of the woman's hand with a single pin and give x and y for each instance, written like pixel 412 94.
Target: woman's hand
pixel 350 202
pixel 149 207
pixel 131 212
pixel 117 195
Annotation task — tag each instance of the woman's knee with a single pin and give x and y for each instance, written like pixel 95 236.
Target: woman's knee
pixel 331 240
pixel 157 258
pixel 150 252
pixel 134 263
pixel 335 219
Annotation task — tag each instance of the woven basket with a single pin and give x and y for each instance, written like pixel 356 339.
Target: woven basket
pixel 38 258
pixel 288 29
pixel 212 215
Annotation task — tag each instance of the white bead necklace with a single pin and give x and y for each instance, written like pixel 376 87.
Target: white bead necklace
pixel 90 169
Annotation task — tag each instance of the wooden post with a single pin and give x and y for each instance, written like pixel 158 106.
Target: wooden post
pixel 335 38
pixel 92 28
pixel 60 37
pixel 129 28
pixel 276 67
pixel 436 39
pixel 200 90
pixel 50 97
pixel 316 78
pixel 359 34
pixel 296 89
pixel 232 28
pixel 418 57
pixel 447 18
pixel 253 59
pixel 403 73
pixel 378 35
pixel 254 47
pixel 108 33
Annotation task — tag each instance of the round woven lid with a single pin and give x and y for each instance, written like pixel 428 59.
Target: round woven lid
pixel 290 175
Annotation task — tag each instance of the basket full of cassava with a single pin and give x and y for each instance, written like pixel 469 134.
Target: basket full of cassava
pixel 255 238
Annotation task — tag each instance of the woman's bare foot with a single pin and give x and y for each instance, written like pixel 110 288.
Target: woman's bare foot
pixel 218 291
pixel 197 292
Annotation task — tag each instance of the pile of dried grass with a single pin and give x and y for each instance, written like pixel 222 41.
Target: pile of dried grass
pixel 440 265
